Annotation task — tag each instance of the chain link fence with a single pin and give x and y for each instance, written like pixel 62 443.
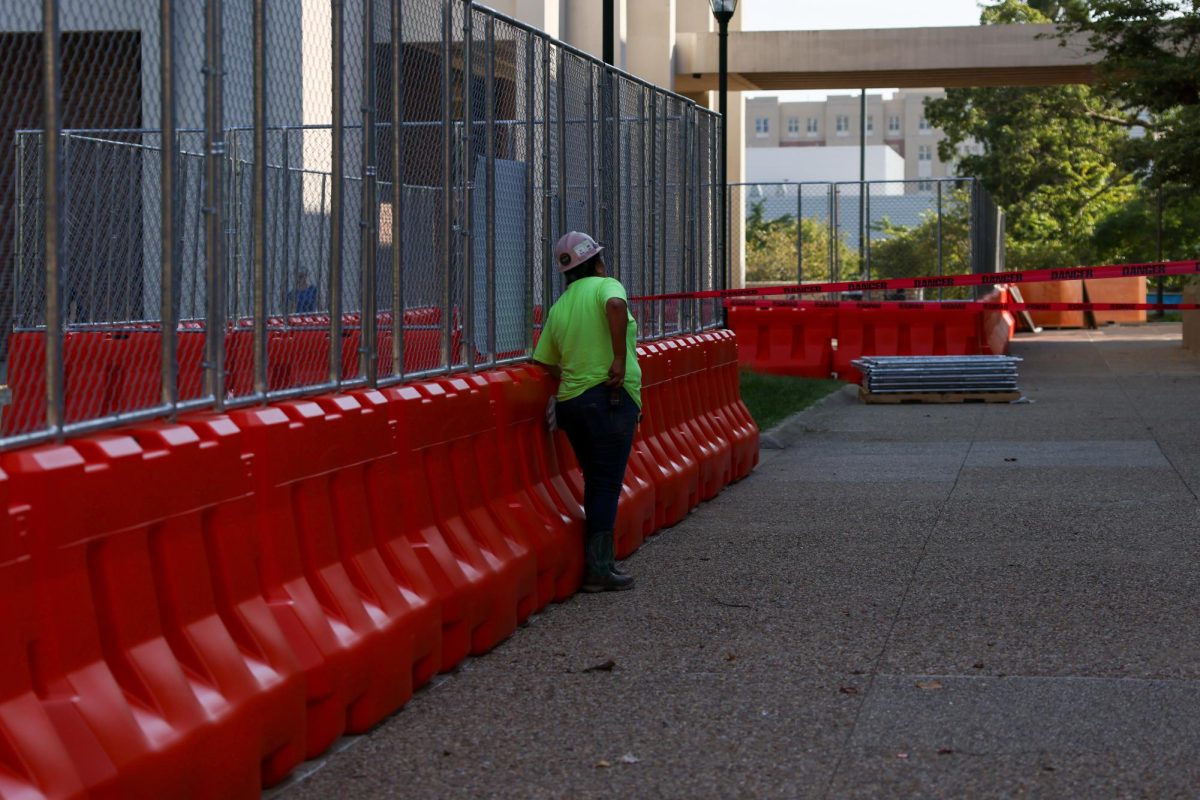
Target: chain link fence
pixel 214 203
pixel 814 232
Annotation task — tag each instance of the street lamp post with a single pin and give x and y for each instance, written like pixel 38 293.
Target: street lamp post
pixel 723 11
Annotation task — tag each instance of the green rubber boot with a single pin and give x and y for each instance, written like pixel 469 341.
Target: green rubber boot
pixel 600 576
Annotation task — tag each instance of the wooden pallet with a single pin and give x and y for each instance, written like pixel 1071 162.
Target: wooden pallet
pixel 937 397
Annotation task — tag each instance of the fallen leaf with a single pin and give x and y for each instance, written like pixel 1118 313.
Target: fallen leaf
pixel 929 686
pixel 602 764
pixel 849 690
pixel 1048 768
pixel 607 666
pixel 977 665
pixel 945 751
pixel 1010 459
pixel 629 758
pixel 730 657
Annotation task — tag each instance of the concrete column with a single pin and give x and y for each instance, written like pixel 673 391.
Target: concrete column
pixel 650 53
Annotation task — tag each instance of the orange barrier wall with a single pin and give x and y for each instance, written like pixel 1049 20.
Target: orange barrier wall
pixel 822 342
pixel 190 609
pixel 1117 290
pixel 1056 292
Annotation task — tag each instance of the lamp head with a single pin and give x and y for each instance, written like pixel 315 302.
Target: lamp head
pixel 723 9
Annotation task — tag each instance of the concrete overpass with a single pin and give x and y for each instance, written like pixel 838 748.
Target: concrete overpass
pixel 977 55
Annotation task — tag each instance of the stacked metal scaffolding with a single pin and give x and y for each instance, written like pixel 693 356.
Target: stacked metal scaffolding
pixel 938 374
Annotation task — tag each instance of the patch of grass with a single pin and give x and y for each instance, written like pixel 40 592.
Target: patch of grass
pixel 773 398
pixel 1168 316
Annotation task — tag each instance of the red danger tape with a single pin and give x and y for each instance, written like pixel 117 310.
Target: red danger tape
pixel 1154 269
pixel 964 305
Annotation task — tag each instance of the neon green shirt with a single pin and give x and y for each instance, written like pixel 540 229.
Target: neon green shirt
pixel 576 338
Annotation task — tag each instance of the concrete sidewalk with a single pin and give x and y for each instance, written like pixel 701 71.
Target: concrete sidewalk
pixel 934 601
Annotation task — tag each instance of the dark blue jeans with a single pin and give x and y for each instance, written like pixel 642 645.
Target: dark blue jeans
pixel 600 424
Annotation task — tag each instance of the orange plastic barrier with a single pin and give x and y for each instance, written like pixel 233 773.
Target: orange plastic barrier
pixel 711 449
pixel 1117 290
pixel 478 602
pixel 463 500
pixel 676 475
pixel 519 395
pixel 724 361
pixel 34 761
pixel 226 595
pixel 784 340
pixel 887 332
pixel 1060 292
pixel 998 327
pixel 144 688
pixel 341 618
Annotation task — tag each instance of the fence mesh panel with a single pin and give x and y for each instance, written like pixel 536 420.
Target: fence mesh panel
pixel 816 232
pixel 347 197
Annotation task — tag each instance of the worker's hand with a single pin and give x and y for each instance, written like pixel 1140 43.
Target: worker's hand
pixel 616 373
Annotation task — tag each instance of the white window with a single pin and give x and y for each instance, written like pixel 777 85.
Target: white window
pixel 925 186
pixel 870 123
pixel 925 152
pixel 812 125
pixel 762 126
pixel 793 126
pixel 894 123
pixel 923 125
pixel 843 125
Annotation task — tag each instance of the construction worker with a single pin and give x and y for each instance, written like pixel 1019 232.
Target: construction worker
pixel 589 342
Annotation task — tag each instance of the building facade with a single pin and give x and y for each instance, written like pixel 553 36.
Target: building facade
pixel 896 121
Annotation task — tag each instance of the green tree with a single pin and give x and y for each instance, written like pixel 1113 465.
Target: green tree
pixel 1048 152
pixel 1130 232
pixel 771 248
pixel 899 251
pixel 1150 72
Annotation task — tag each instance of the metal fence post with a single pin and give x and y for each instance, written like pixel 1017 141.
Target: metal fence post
pixel 547 188
pixel 592 125
pixel 799 233
pixel 689 220
pixel 259 210
pixel 662 222
pixel 614 182
pixel 834 250
pixel 939 234
pixel 369 318
pixel 214 198
pixel 489 103
pixel 447 241
pixel 466 164
pixel 530 177
pixel 52 192
pixel 19 276
pixel 286 213
pixel 642 204
pixel 337 180
pixel 562 143
pixel 397 85
pixel 169 308
pixel 866 232
pixel 650 208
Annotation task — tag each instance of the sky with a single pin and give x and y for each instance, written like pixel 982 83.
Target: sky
pixel 763 15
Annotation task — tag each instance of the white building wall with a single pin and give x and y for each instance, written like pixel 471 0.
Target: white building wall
pixel 822 164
